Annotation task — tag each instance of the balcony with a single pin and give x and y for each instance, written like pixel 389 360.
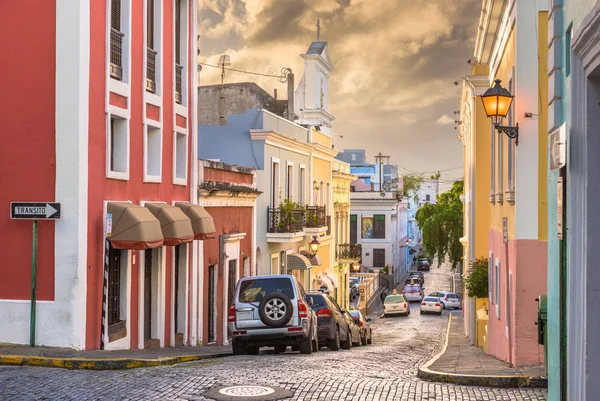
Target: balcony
pixel 285 225
pixel 151 70
pixel 116 49
pixel 349 253
pixel 316 220
pixel 178 83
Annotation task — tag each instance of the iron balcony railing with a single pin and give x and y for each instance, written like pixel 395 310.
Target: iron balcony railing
pixel 151 70
pixel 328 225
pixel 116 49
pixel 178 83
pixel 349 251
pixel 284 221
pixel 315 216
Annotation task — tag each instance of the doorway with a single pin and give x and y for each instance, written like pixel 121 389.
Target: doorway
pixel 212 304
pixel 147 295
pixel 378 257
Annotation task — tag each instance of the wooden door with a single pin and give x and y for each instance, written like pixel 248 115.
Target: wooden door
pixel 378 257
pixel 147 294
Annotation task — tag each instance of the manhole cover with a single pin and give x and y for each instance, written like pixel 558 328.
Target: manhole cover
pixel 248 392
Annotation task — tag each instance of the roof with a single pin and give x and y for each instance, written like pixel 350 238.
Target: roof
pixel 316 48
pixel 360 186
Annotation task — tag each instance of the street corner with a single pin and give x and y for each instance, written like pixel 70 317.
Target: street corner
pixel 248 393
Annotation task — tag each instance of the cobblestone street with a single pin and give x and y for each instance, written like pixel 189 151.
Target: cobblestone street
pixel 385 370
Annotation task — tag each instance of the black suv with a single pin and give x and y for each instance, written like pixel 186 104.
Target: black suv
pixel 332 327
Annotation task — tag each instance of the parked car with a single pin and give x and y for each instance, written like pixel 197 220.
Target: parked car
pixel 271 311
pixel 354 286
pixel 354 329
pixel 366 334
pixel 417 274
pixel 423 264
pixel 413 293
pixel 448 299
pixel 431 305
pixel 413 280
pixel 333 328
pixel 395 304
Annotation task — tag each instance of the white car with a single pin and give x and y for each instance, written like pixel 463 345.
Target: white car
pixel 395 305
pixel 412 292
pixel 431 305
pixel 449 299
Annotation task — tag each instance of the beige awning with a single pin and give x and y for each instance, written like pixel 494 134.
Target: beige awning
pixel 133 227
pixel 326 281
pixel 175 225
pixel 315 260
pixel 202 222
pixel 297 262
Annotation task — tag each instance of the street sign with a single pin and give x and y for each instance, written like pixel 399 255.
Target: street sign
pixel 35 210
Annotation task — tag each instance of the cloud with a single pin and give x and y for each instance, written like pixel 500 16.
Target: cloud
pixel 444 120
pixel 395 63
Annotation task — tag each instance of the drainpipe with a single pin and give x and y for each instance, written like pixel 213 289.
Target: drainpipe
pixel 472 239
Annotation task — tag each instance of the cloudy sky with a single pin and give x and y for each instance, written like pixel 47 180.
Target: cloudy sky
pixel 395 63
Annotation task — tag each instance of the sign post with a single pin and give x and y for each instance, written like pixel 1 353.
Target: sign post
pixel 34 211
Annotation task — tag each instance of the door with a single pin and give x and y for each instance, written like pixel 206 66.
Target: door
pixel 212 293
pixel 147 294
pixel 231 280
pixel 177 328
pixel 353 229
pixel 378 257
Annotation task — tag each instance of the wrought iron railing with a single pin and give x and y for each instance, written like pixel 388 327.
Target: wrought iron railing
pixel 315 216
pixel 283 221
pixel 178 83
pixel 349 251
pixel 328 225
pixel 116 50
pixel 151 70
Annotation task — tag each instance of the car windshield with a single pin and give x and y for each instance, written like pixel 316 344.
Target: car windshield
pixel 355 313
pixel 318 300
pixel 255 290
pixel 394 299
pixel 431 300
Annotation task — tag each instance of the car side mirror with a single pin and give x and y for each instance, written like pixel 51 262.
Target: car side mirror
pixel 368 319
pixel 343 310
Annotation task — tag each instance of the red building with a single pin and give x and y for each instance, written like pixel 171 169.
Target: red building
pixel 228 193
pixel 98 113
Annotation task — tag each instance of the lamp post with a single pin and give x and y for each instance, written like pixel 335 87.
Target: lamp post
pixel 314 246
pixel 496 102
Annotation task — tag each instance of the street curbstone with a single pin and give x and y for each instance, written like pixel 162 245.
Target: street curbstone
pixel 425 373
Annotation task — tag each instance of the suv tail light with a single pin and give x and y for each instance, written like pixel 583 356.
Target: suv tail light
pixel 437 304
pixel 420 293
pixel 231 314
pixel 302 309
pixel 325 312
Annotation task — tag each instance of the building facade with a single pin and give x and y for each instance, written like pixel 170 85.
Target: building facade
pixel 111 143
pixel 507 42
pixel 573 70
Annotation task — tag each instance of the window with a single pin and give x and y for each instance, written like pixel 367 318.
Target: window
pixel 153 154
pixel 568 36
pixel 490 276
pixel 302 185
pixel 427 198
pixel 353 157
pixel 274 183
pixel 274 264
pixel 353 229
pixel 379 226
pixel 327 195
pixel 289 184
pixel 152 44
pixel 180 161
pixel 118 40
pixel 321 194
pixel 510 190
pixel 497 295
pixel 118 148
pixel 180 27
pixel 492 196
pixel 500 167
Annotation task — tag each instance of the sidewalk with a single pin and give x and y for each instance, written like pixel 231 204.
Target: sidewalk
pixel 106 360
pixel 461 363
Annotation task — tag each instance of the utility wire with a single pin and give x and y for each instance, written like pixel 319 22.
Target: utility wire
pixel 242 71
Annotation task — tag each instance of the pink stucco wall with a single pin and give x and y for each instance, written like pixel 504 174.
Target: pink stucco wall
pixel 527 261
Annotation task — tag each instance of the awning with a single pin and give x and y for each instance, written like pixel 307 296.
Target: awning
pixel 333 279
pixel 203 225
pixel 175 225
pixel 315 260
pixel 133 227
pixel 326 281
pixel 297 262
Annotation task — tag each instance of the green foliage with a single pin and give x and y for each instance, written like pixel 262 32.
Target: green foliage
pixel 411 185
pixel 442 225
pixel 435 176
pixel 477 280
pixel 287 216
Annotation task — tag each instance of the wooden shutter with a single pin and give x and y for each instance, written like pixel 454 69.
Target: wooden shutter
pixel 178 32
pixel 353 229
pixel 150 23
pixel 379 226
pixel 115 14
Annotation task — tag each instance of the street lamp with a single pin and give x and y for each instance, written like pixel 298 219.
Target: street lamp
pixel 496 102
pixel 355 267
pixel 314 246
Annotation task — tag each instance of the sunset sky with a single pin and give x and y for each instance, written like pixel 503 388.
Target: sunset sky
pixel 395 63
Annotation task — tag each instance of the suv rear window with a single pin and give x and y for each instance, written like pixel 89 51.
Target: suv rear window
pixel 255 290
pixel 412 288
pixel 391 299
pixel 452 296
pixel 318 300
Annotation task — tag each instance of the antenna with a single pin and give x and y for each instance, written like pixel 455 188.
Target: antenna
pixel 318 29
pixel 224 60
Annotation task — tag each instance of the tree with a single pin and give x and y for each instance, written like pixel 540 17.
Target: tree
pixel 435 176
pixel 442 226
pixel 477 280
pixel 411 186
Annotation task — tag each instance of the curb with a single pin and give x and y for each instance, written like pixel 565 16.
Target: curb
pixel 427 374
pixel 102 364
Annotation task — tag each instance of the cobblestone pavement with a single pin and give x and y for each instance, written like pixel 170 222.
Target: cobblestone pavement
pixel 385 370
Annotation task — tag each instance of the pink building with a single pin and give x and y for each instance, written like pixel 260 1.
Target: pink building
pixel 98 113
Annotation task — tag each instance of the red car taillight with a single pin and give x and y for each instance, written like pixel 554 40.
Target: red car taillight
pixel 325 312
pixel 445 299
pixel 360 324
pixel 437 304
pixel 302 309
pixel 231 314
pixel 420 293
pixel 383 306
pixel 423 303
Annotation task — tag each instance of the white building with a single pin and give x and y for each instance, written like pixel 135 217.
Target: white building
pixel 429 191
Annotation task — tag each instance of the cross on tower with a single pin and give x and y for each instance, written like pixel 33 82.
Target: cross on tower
pixel 318 29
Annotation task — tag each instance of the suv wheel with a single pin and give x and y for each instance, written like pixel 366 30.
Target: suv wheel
pixel 252 350
pixel 238 349
pixel 363 339
pixel 306 345
pixel 315 344
pixel 275 309
pixel 348 343
pixel 334 344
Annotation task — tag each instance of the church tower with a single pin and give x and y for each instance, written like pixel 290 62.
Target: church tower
pixel 311 97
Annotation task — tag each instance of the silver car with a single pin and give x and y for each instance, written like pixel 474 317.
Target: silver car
pixel 272 311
